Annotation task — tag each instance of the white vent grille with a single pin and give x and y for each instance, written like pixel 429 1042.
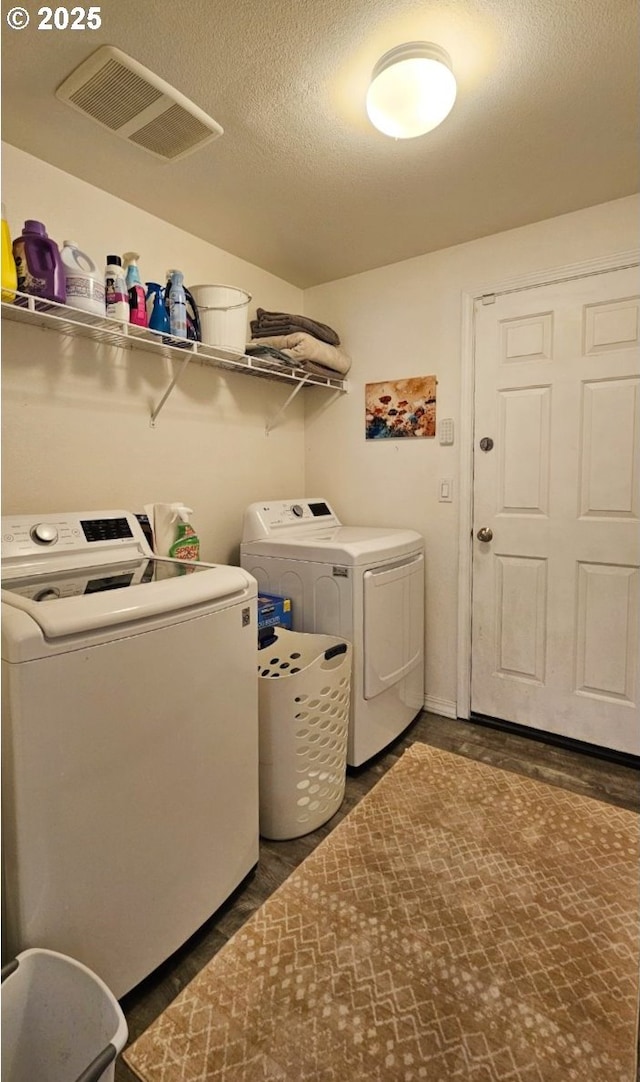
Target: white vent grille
pixel 114 95
pixel 128 99
pixel 172 134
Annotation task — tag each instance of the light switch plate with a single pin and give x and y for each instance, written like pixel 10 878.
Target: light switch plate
pixel 445 490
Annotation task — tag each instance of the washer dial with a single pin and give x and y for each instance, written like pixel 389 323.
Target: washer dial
pixel 44 533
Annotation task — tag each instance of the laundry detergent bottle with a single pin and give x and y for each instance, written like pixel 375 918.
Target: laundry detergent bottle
pixel 9 272
pixel 136 291
pixel 84 285
pixel 39 264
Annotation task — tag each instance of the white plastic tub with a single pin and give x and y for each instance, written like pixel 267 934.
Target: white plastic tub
pixel 223 314
pixel 60 1022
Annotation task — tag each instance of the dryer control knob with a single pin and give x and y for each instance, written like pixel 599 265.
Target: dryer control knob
pixel 44 533
pixel 298 510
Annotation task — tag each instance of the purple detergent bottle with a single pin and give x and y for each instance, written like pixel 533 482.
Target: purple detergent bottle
pixel 39 264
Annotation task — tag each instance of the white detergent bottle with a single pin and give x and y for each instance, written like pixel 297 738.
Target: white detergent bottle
pixel 117 296
pixel 85 288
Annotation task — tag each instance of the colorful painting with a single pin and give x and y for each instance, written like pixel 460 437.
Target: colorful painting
pixel 401 407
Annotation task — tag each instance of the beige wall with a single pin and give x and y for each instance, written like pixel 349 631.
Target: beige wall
pixel 76 431
pixel 405 320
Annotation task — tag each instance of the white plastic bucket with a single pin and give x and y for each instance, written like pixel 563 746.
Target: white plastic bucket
pixel 223 314
pixel 60 1022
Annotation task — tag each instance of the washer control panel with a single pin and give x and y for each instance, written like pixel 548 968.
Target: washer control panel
pixel 40 535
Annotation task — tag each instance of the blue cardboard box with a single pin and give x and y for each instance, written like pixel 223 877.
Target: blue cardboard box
pixel 274 611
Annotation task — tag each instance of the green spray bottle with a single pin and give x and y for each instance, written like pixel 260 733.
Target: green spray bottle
pixel 186 545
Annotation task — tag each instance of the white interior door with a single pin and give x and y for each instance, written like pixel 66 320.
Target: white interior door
pixel 556 580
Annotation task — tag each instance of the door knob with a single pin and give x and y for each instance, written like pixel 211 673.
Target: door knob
pixel 485 534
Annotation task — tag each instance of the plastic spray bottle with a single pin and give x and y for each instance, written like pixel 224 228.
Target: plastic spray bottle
pixel 116 296
pixel 9 272
pixel 157 313
pixel 135 289
pixel 187 544
pixel 177 304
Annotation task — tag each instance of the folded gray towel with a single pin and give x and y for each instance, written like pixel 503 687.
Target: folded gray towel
pixel 269 324
pixel 254 350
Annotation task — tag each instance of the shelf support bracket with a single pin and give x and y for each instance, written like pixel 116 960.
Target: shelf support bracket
pixel 270 425
pixel 156 412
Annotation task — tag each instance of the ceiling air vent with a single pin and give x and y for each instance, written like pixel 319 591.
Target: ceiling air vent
pixel 129 100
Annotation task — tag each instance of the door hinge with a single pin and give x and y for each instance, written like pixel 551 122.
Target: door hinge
pixel 488 298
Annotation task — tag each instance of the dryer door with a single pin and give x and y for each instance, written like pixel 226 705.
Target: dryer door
pixel 393 623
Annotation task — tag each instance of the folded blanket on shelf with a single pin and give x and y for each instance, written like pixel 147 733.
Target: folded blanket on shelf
pixel 309 352
pixel 268 324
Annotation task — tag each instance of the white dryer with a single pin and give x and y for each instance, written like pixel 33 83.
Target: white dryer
pixel 129 741
pixel 362 583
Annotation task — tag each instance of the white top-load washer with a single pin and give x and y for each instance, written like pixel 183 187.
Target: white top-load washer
pixel 364 584
pixel 130 741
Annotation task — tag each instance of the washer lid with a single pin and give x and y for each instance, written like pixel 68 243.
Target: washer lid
pixel 71 601
pixel 350 545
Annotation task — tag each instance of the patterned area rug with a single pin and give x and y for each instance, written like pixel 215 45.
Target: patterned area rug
pixel 461 923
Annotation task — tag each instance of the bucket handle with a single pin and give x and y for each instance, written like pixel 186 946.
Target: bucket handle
pixel 9 968
pixel 96 1069
pixel 223 307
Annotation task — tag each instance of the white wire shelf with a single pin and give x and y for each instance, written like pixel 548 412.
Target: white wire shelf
pixel 77 323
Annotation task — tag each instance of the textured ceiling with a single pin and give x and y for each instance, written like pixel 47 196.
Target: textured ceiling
pixel 545 122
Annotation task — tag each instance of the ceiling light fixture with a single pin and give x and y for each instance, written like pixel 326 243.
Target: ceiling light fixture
pixel 412 90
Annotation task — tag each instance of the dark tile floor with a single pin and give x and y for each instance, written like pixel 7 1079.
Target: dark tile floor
pixel 573 770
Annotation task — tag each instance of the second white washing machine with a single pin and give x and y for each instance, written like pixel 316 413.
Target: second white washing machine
pixel 364 584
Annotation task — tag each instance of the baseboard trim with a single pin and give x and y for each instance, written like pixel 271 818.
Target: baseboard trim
pixel 445 707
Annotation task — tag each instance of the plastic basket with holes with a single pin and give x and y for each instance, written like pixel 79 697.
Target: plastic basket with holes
pixel 304 695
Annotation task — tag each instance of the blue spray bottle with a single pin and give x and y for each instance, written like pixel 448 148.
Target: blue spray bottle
pixel 156 311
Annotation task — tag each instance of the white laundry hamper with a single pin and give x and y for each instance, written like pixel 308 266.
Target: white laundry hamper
pixel 223 313
pixel 304 697
pixel 60 1022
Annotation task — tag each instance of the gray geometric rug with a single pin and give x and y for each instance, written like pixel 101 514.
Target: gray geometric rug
pixel 461 924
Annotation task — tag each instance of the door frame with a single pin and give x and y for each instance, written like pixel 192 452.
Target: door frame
pixel 620 261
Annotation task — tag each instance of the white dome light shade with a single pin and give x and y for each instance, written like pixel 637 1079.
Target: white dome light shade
pixel 412 90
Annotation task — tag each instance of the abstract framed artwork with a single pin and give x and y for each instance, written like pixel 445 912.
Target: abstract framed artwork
pixel 401 408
